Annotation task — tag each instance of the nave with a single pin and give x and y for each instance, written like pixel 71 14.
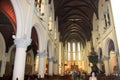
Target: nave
pixel 59 39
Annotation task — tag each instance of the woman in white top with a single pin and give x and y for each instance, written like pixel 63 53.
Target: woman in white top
pixel 93 77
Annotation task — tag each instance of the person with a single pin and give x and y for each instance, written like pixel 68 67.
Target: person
pixel 93 77
pixel 78 75
pixel 74 75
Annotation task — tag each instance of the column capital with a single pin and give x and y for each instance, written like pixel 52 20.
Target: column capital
pixel 23 43
pixel 42 54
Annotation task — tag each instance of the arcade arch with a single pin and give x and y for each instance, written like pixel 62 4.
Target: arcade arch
pixel 111 54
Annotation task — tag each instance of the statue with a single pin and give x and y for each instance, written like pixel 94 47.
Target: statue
pixel 93 58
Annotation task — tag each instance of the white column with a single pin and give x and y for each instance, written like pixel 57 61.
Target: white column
pixel 3 65
pixel 50 61
pixel 107 68
pixel 20 58
pixel 56 69
pixel 42 56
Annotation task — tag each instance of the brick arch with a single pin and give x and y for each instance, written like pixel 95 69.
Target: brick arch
pixel 7 8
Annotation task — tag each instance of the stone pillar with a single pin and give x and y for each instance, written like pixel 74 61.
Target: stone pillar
pixel 33 68
pixel 42 56
pixel 56 68
pixel 63 68
pixel 50 61
pixel 20 58
pixel 3 65
pixel 107 68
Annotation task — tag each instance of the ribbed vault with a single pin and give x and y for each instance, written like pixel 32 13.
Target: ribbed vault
pixel 75 18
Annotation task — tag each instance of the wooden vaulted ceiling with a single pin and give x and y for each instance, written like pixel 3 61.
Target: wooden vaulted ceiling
pixel 75 18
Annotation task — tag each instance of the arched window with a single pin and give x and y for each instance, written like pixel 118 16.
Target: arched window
pixel 74 50
pixel 78 50
pixel 69 51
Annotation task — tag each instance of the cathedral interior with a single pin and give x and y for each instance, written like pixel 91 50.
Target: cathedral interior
pixel 59 39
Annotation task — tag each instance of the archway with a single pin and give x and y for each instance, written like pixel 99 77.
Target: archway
pixel 33 50
pixel 2 46
pixel 10 61
pixel 7 29
pixel 112 54
pixel 29 68
pixel 2 54
pixel 39 40
pixel 101 64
